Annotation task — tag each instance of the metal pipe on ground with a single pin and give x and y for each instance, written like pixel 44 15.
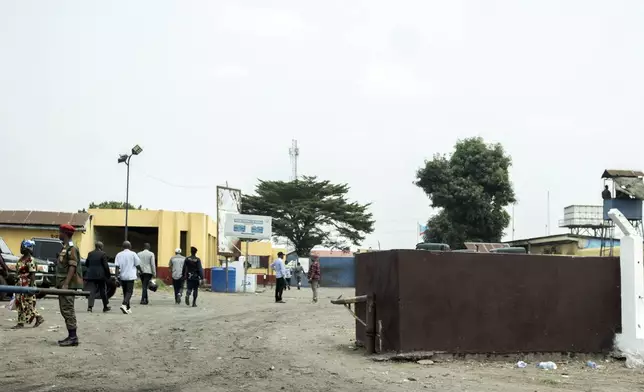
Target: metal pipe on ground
pixel 37 290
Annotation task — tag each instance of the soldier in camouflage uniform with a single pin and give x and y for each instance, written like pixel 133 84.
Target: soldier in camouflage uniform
pixel 26 271
pixel 68 276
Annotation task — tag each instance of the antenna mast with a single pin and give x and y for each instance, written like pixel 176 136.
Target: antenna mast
pixel 294 152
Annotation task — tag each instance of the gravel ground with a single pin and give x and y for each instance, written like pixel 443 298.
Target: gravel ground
pixel 235 342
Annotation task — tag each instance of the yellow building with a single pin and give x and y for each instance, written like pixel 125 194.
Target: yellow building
pixel 261 255
pixel 16 226
pixel 164 230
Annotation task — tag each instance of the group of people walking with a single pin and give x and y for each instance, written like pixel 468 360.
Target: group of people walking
pixel 189 270
pixel 130 266
pixel 184 269
pixel 284 274
pixel 97 273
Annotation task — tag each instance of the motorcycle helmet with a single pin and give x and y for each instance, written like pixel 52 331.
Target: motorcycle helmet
pixel 27 246
pixel 152 286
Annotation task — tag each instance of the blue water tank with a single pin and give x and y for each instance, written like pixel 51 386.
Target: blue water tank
pixel 218 279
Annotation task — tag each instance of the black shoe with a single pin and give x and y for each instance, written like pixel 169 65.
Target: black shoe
pixel 69 342
pixel 64 340
pixel 106 309
pixel 39 321
pixel 187 301
pixel 194 305
pixel 89 310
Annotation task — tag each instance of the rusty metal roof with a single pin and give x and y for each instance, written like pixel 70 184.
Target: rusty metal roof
pixel 610 173
pixel 43 218
pixel 484 247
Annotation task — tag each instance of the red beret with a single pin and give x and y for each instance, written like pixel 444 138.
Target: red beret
pixel 67 229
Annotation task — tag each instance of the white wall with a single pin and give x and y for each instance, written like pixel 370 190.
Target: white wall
pixel 630 342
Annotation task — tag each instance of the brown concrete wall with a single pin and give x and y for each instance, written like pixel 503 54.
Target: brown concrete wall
pixel 377 273
pixel 492 303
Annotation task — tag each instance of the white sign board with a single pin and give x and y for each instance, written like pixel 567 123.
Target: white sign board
pixel 248 226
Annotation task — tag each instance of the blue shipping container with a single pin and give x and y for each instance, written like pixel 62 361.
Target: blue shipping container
pixel 337 272
pixel 218 279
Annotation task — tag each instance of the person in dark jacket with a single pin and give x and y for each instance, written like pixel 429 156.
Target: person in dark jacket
pixel 192 274
pixel 97 273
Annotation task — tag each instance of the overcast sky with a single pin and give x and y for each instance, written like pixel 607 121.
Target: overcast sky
pixel 214 91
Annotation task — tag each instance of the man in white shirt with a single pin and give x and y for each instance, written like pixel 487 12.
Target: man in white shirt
pixel 176 267
pixel 280 273
pixel 148 271
pixel 127 262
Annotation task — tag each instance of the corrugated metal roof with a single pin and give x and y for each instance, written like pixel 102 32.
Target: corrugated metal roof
pixel 43 218
pixel 610 173
pixel 484 247
pixel 550 239
pixel 631 186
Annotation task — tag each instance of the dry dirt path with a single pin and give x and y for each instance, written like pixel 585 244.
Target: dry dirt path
pixel 248 343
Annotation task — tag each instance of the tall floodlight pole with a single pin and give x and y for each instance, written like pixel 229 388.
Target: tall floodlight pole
pixel 125 158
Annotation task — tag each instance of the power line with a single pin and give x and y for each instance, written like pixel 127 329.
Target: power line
pixel 180 186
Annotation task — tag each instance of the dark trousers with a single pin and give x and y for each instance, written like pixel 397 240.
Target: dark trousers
pixel 280 283
pixel 178 288
pixel 97 287
pixel 145 282
pixel 66 304
pixel 192 286
pixel 128 289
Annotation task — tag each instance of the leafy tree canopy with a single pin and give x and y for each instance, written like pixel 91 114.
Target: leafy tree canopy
pixel 471 187
pixel 111 205
pixel 310 212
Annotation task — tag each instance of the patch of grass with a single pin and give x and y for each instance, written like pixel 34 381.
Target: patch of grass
pixel 551 382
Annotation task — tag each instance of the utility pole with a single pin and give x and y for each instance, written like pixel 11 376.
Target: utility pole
pixel 513 204
pixel 548 224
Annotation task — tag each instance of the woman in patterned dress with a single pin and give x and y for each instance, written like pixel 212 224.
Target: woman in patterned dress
pixel 26 303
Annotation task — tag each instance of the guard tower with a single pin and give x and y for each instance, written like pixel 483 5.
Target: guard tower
pixel 626 194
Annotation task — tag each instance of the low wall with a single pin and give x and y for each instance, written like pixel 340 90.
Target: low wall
pixel 491 303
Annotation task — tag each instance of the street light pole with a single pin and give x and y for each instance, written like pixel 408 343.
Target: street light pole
pixel 127 193
pixel 125 158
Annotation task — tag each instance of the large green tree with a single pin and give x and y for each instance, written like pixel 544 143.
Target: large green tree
pixel 111 205
pixel 310 212
pixel 471 188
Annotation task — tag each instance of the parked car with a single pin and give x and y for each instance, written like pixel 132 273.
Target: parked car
pixel 49 249
pixel 43 269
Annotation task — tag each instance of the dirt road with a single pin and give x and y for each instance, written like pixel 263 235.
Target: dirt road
pixel 248 343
